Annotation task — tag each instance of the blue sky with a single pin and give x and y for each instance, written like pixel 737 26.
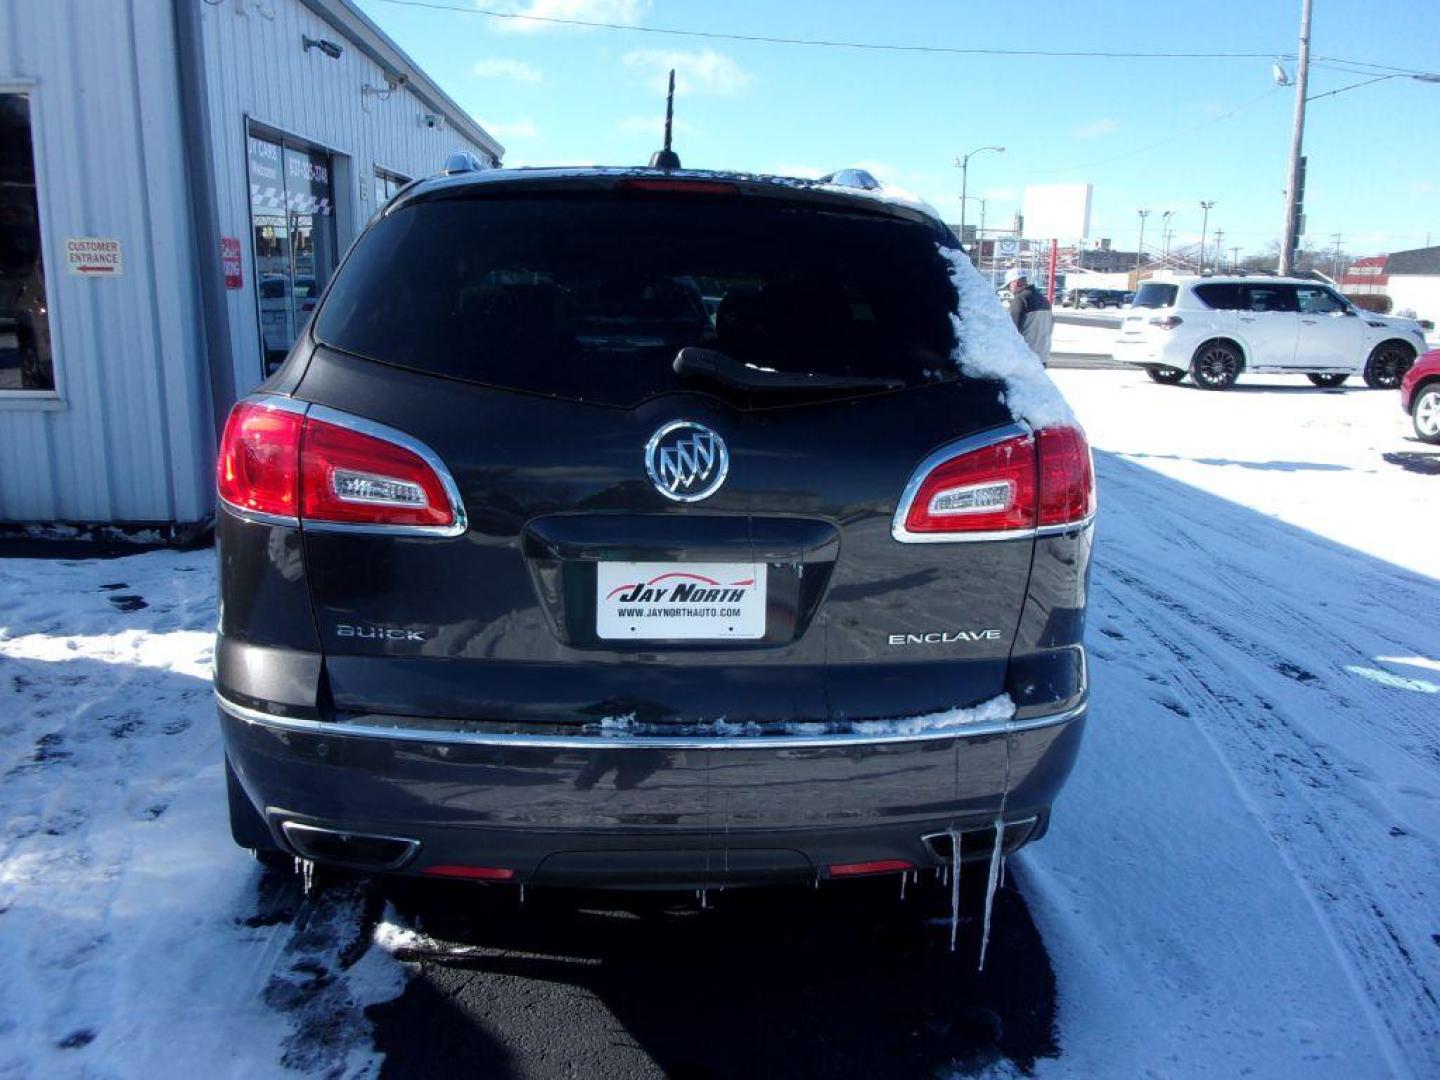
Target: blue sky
pixel 568 95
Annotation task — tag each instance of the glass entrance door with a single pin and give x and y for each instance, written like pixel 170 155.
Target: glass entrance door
pixel 292 219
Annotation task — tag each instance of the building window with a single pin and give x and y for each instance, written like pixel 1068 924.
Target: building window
pixel 386 185
pixel 292 222
pixel 25 358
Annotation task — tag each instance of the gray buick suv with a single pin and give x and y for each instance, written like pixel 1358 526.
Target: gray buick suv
pixel 651 528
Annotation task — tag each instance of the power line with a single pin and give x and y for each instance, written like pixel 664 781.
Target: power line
pixel 824 43
pixel 1182 133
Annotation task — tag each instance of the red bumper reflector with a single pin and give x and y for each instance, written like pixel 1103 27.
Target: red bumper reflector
pixel 883 866
pixel 473 873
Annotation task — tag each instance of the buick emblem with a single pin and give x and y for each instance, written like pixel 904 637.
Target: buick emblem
pixel 686 461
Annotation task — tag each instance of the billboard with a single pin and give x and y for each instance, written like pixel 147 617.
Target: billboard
pixel 1057 211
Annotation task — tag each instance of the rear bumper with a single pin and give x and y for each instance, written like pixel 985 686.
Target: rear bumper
pixel 1142 352
pixel 633 811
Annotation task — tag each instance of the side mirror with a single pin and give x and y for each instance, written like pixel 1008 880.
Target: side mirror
pixel 1350 311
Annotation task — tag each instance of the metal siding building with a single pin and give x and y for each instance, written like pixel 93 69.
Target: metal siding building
pixel 141 361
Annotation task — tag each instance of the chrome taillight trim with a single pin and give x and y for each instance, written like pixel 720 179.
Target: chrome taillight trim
pixel 377 430
pixel 955 449
pixel 399 733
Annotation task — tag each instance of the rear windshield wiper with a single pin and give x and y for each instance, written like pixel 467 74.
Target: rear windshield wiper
pixel 696 362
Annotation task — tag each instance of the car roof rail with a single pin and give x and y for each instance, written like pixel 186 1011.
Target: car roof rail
pixel 852 178
pixel 461 161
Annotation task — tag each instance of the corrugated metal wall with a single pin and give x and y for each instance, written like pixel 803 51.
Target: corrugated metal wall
pixel 130 437
pixel 257 68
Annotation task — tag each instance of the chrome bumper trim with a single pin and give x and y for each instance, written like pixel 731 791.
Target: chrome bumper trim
pixel 356 730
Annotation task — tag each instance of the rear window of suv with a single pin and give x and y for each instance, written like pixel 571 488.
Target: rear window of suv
pixel 589 297
pixel 1155 295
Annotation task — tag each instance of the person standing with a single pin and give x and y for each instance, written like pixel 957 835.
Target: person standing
pixel 1031 312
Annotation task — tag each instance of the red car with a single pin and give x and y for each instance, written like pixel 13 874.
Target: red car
pixel 1420 395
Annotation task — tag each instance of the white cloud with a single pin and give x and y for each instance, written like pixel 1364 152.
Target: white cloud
pixel 496 67
pixel 653 126
pixel 1000 194
pixel 1095 129
pixel 519 129
pixel 704 71
pixel 1422 187
pixel 621 12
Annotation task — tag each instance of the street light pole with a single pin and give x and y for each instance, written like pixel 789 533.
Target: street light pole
pixel 1165 235
pixel 1205 205
pixel 964 162
pixel 1297 141
pixel 1140 245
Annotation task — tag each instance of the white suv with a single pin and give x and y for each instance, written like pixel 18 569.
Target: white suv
pixel 1213 328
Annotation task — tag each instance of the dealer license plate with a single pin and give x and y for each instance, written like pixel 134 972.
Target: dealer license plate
pixel 693 601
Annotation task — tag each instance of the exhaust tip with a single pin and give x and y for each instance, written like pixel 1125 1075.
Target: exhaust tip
pixel 366 851
pixel 978 843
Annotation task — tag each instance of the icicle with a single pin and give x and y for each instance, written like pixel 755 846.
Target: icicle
pixel 954 886
pixel 995 857
pixel 903 877
pixel 307 875
pixel 522 895
pixel 704 897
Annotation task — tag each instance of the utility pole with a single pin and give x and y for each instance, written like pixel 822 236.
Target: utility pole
pixel 1165 235
pixel 1219 250
pixel 1234 259
pixel 1295 190
pixel 1335 258
pixel 1205 205
pixel 963 161
pixel 1140 245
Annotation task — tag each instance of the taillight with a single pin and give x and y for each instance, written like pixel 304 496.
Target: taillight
pixel 259 464
pixel 991 489
pixel 1166 322
pixel 350 477
pixel 680 186
pixel 1067 476
pixel 1006 488
pixel 327 470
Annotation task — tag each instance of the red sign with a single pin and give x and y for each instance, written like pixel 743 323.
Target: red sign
pixel 230 261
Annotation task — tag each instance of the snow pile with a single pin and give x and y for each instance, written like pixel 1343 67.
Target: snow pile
pixel 996 709
pixel 989 347
pixel 939 724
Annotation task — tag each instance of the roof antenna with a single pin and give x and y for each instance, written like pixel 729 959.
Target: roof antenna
pixel 667 159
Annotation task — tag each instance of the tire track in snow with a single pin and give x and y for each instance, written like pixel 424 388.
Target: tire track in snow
pixel 1244 659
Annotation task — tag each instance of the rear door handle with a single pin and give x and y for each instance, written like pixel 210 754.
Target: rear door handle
pixel 1308 322
pixel 1247 318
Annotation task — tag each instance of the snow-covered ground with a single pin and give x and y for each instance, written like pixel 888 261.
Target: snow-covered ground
pixel 1243 875
pixel 135 940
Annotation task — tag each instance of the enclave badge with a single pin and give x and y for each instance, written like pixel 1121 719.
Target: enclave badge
pixel 686 461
